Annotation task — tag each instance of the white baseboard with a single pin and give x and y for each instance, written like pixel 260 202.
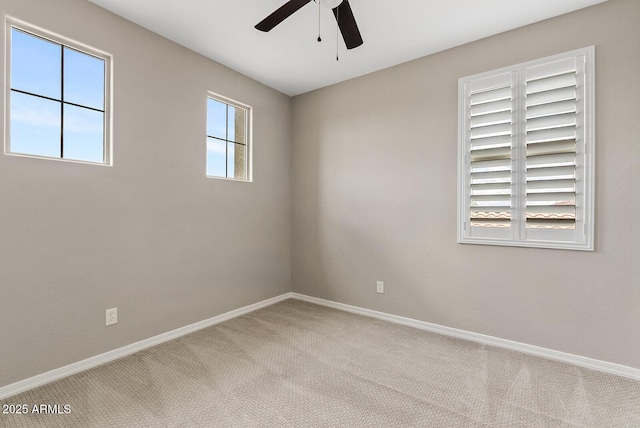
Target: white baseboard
pixel 89 363
pixel 62 372
pixel 590 363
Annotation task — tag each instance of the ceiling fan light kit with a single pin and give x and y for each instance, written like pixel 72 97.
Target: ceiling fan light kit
pixel 341 11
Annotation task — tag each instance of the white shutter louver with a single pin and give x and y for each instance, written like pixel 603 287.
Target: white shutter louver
pixel 526 154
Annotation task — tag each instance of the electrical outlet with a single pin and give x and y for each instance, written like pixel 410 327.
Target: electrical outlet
pixel 111 316
pixel 380 287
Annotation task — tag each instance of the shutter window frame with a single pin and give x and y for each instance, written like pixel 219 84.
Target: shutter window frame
pixel 526 154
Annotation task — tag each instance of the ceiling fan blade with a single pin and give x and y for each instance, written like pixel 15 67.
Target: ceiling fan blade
pixel 280 14
pixel 347 24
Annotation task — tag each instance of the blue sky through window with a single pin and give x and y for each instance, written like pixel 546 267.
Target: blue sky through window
pixel 83 79
pixel 35 125
pixel 216 119
pixel 47 120
pixel 36 65
pixel 216 155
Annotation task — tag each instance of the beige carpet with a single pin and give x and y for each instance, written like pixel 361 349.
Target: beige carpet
pixel 295 364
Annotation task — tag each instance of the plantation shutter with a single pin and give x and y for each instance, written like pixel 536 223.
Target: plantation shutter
pixel 489 134
pixel 526 154
pixel 551 137
pixel 490 156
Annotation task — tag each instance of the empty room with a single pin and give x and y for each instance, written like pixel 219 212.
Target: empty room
pixel 340 213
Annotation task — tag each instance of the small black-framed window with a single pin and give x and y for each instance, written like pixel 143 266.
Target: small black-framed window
pixel 228 139
pixel 58 101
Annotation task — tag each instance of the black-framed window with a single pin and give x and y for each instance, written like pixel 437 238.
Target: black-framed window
pixel 58 103
pixel 227 139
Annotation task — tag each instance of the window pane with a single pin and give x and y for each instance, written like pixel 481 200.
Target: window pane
pixel 35 65
pixel 216 119
pixel 231 130
pixel 236 161
pixel 35 125
pixel 237 119
pixel 216 157
pixel 83 134
pixel 230 160
pixel 83 79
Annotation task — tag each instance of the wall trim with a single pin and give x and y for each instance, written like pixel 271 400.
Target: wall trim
pixel 98 360
pixel 577 360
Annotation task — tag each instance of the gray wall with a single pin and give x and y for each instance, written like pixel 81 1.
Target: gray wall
pixel 374 198
pixel 150 235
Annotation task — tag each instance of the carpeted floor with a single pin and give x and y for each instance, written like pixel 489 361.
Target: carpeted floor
pixel 295 364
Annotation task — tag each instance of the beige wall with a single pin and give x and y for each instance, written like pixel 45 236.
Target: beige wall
pixel 374 198
pixel 150 235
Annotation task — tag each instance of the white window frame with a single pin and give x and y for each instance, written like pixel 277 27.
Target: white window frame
pixel 11 23
pixel 248 137
pixel 582 237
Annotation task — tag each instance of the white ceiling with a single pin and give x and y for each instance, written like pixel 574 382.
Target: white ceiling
pixel 290 59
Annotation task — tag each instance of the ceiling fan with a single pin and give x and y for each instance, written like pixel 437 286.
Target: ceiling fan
pixel 341 10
